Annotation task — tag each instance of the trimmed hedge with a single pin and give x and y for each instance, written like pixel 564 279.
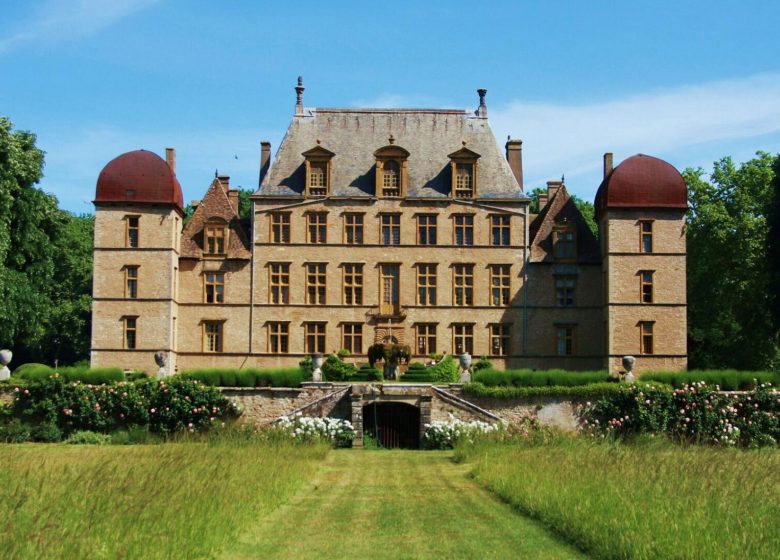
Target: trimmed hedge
pixel 726 379
pixel 590 391
pixel 95 376
pixel 367 373
pixel 446 371
pixel 547 378
pixel 249 377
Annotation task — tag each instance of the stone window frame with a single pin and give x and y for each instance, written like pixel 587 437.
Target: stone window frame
pixel 397 157
pixel 352 285
pixel 316 284
pixel 215 238
pixel 500 284
pixel 318 158
pixel 425 338
pixel 352 337
pixel 646 286
pixel 278 337
pixel 500 230
pixel 279 283
pixel 563 291
pixel 215 283
pixel 646 240
pixel 315 336
pixel 500 343
pixel 316 228
pixel 354 232
pixel 564 242
pixel 465 229
pixel 280 228
pixel 463 284
pixel 390 223
pixel 426 279
pixel 646 337
pixel 213 339
pixel 132 231
pixel 565 339
pixel 427 229
pixel 462 338
pixel 130 332
pixel 464 163
pixel 131 281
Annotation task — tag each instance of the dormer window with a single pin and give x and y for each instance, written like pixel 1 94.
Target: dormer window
pixel 318 170
pixel 564 243
pixel 391 168
pixel 463 165
pixel 215 239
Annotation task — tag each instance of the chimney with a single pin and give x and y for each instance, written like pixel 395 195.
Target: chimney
pixel 299 97
pixel 265 159
pixel 233 198
pixel 224 180
pixel 607 164
pixel 514 155
pixel 170 158
pixel 542 201
pixel 482 109
pixel 552 188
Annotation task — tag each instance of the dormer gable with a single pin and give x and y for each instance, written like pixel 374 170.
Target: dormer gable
pixel 464 172
pixel 391 170
pixel 318 170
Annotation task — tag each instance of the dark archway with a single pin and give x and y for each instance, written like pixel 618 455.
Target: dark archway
pixel 393 424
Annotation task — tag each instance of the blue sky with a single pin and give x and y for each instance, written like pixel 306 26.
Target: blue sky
pixel 689 82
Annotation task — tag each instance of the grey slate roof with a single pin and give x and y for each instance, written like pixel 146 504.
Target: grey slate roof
pixel 354 134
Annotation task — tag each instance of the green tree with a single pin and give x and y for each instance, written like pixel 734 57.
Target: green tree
pixel 773 250
pixel 729 319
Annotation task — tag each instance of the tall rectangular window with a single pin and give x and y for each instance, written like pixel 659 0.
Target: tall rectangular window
pixel 352 337
pixel 317 227
pixel 426 338
pixel 564 244
pixel 426 284
pixel 280 227
pixel 645 236
pixel 564 342
pixel 318 178
pixel 646 337
pixel 129 325
pixel 132 231
pixel 353 229
pixel 279 337
pixel 131 282
pixel 499 340
pixel 279 283
pixel 463 338
pixel 463 285
pixel 646 286
pixel 464 229
pixel 353 284
pixel 215 239
pixel 499 285
pixel 426 229
pixel 499 230
pixel 464 180
pixel 391 229
pixel 314 337
pixel 212 336
pixel 214 287
pixel 565 290
pixel 315 283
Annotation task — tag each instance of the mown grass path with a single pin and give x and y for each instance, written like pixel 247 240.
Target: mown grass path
pixel 395 504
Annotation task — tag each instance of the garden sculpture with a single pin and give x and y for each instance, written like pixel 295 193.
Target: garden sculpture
pixel 317 359
pixel 628 363
pixel 465 367
pixel 159 359
pixel 5 359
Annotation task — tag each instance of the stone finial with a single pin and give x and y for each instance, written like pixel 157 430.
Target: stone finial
pixel 482 110
pixel 299 96
pixel 391 139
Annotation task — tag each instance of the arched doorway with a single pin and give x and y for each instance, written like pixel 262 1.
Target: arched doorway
pixel 393 424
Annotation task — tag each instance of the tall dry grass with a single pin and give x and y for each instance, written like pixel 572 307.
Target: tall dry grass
pixel 177 500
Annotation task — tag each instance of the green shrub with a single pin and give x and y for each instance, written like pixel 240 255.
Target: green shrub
pixel 47 432
pixel 482 364
pixel 531 378
pixel 416 366
pixel 96 376
pixel 334 369
pixel 590 391
pixel 343 353
pixel 367 373
pixel 136 375
pixel 87 437
pixel 14 431
pixel 134 435
pixel 307 365
pixel 446 371
pixel 24 371
pixel 726 379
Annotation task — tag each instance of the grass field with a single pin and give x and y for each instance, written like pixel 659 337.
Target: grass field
pixel 643 501
pixel 184 500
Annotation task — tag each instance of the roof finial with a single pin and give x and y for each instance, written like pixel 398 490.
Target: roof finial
pixel 299 96
pixel 482 110
pixel 563 177
pixel 216 173
pixel 391 139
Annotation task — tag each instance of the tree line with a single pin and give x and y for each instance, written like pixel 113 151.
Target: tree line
pixel 733 236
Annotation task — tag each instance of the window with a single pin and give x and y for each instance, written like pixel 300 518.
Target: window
pixel 130 332
pixel 426 284
pixel 646 337
pixel 215 239
pixel 564 342
pixel 391 178
pixel 315 283
pixel 499 284
pixel 499 230
pixel 318 178
pixel 317 227
pixel 565 287
pixel 463 285
pixel 212 336
pixel 279 337
pixel 352 337
pixel 645 237
pixel 426 338
pixel 279 283
pixel 464 180
pixel 463 338
pixel 353 229
pixel 464 229
pixel 499 340
pixel 564 243
pixel 426 229
pixel 314 337
pixel 391 229
pixel 646 286
pixel 280 227
pixel 353 284
pixel 132 230
pixel 131 282
pixel 214 287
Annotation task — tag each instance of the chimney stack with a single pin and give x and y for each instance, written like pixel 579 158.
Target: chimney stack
pixel 482 110
pixel 299 97
pixel 233 198
pixel 224 180
pixel 514 155
pixel 170 158
pixel 542 201
pixel 265 159
pixel 552 188
pixel 607 164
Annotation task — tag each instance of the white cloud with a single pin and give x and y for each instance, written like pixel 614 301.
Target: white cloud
pixel 570 139
pixel 59 20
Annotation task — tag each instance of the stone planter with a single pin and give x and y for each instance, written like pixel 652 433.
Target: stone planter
pixel 317 360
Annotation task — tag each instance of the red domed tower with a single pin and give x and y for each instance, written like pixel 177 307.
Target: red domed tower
pixel 640 208
pixel 138 224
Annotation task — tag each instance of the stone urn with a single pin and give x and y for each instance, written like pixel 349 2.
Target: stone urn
pixel 5 359
pixel 464 361
pixel 159 359
pixel 317 360
pixel 628 363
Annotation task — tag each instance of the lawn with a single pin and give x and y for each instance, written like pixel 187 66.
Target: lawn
pixel 645 500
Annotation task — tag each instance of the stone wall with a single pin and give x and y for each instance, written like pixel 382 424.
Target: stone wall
pixel 263 405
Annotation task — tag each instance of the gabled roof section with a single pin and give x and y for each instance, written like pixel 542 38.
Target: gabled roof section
pixel 215 207
pixel 392 150
pixel 464 153
pixel 560 210
pixel 356 135
pixel 318 151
